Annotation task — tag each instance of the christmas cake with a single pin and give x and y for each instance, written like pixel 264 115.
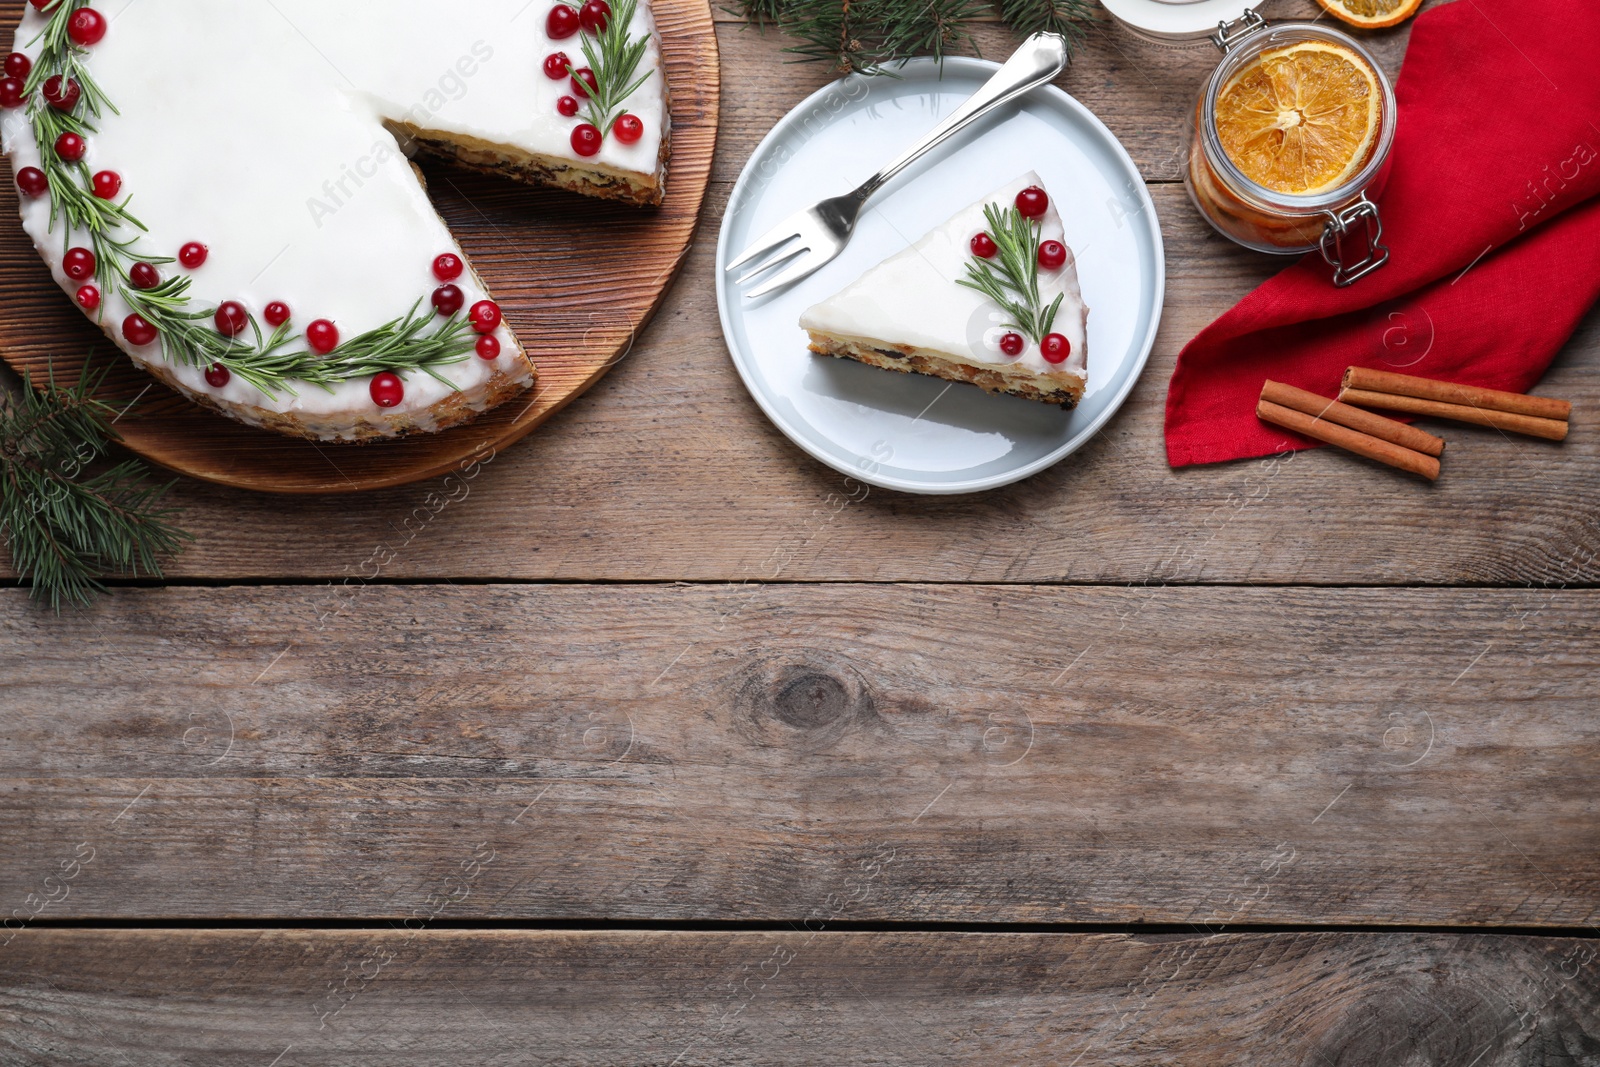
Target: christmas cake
pixel 989 297
pixel 225 187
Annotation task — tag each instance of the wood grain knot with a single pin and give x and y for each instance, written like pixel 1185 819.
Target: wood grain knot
pixel 809 702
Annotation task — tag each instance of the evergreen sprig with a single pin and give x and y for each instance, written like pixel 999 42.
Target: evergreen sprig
pixel 272 363
pixel 64 526
pixel 613 56
pixel 1011 278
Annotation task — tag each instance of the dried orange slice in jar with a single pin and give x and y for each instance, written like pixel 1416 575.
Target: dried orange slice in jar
pixel 1371 14
pixel 1301 120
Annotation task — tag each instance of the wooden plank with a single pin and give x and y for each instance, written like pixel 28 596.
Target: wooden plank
pixel 1142 754
pixel 667 470
pixel 294 998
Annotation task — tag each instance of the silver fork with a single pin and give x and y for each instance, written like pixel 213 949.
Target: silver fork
pixel 819 233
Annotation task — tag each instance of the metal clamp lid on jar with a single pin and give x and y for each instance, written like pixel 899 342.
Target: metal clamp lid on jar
pixel 1176 23
pixel 1352 238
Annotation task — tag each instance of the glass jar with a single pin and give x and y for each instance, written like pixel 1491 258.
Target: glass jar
pixel 1340 222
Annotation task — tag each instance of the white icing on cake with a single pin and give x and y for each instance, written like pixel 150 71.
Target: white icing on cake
pixel 258 128
pixel 912 298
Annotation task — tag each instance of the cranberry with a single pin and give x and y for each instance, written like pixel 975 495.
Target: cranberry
pixel 193 255
pixel 485 316
pixel 568 106
pixel 983 245
pixel 1052 254
pixel 1055 348
pixel 448 267
pixel 144 276
pixel 276 313
pixel 1012 344
pixel 232 319
pixel 584 83
pixel 61 93
pixel 18 65
pixel 562 22
pixel 594 16
pixel 12 92
pixel 555 66
pixel 42 4
pixel 628 128
pixel 387 390
pixel 218 376
pixel 86 27
pixel 1032 202
pixel 138 331
pixel 70 147
pixel 448 299
pixel 322 336
pixel 107 184
pixel 78 264
pixel 488 347
pixel 88 298
pixel 585 140
pixel 31 180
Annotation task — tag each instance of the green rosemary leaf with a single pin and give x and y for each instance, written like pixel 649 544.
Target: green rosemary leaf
pixel 1011 277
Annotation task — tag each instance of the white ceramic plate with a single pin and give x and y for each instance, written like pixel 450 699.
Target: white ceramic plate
pixel 908 431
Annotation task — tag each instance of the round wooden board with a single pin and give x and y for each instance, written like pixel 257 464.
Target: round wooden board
pixel 577 277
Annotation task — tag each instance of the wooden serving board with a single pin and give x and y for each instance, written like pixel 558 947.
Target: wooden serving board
pixel 578 279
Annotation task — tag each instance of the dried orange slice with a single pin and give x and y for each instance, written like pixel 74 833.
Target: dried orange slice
pixel 1303 119
pixel 1372 14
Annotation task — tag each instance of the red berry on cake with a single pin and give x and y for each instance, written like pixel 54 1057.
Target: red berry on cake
pixel 78 264
pixel 1032 202
pixel 137 331
pixel 555 66
pixel 562 22
pixel 231 318
pixel 1052 254
pixel 12 92
pixel 628 129
pixel 107 184
pixel 568 106
pixel 983 246
pixel 448 267
pixel 322 336
pixel 41 4
pixel 70 147
pixel 584 83
pixel 276 313
pixel 586 140
pixel 31 180
pixel 1055 348
pixel 448 299
pixel 144 276
pixel 218 376
pixel 488 347
pixel 88 298
pixel 18 65
pixel 387 390
pixel 594 16
pixel 485 316
pixel 61 93
pixel 193 255
pixel 1012 344
pixel 86 27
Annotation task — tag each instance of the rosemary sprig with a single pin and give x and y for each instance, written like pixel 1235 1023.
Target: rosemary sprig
pixel 65 527
pixel 1011 278
pixel 270 364
pixel 613 56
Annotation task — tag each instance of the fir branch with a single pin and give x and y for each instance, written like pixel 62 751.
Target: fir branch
pixel 613 56
pixel 66 528
pixel 1065 17
pixel 1011 278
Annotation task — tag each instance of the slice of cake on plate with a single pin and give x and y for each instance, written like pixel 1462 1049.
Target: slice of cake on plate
pixel 990 297
pixel 225 189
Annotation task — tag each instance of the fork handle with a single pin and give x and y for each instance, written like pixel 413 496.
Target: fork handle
pixel 1040 59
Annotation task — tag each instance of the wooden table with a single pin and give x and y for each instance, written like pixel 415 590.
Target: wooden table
pixel 646 750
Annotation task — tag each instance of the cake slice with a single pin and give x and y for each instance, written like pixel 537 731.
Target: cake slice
pixel 990 297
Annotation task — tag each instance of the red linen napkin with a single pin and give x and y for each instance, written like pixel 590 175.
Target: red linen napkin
pixel 1492 216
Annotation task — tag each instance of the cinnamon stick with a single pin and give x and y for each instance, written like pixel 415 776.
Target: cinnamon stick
pixel 1550 429
pixel 1352 440
pixel 1472 396
pixel 1321 407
